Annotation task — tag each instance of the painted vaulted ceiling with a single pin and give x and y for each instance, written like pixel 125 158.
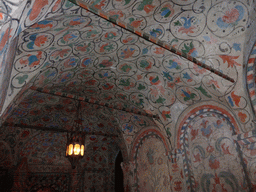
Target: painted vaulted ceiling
pixel 126 81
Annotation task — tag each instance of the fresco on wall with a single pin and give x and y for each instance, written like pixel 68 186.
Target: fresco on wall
pixel 151 167
pixel 97 168
pixel 67 50
pixel 42 158
pixel 209 150
pixel 46 148
pixel 250 160
pixel 48 182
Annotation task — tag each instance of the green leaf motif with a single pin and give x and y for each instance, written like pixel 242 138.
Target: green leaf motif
pixel 168 132
pixel 109 47
pixel 168 116
pixel 187 48
pixel 58 29
pixel 62 41
pixel 124 83
pixel 164 8
pixel 141 87
pixel 91 33
pixel 177 23
pixel 126 68
pixel 22 79
pixel 127 2
pixel 160 100
pixel 143 3
pixel 144 64
pixel 203 91
pixel 191 96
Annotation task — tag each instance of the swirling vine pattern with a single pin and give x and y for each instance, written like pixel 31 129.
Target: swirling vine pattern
pixel 65 49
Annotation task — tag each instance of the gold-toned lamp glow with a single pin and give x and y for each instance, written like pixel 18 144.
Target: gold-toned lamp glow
pixel 75 141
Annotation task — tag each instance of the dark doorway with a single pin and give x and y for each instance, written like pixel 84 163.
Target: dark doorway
pixel 6 180
pixel 119 181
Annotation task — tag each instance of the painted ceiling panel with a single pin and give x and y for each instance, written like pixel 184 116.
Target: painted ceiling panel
pixel 110 66
pixel 80 54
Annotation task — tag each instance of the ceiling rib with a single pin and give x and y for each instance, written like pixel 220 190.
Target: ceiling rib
pixel 71 96
pixel 147 37
pixel 54 129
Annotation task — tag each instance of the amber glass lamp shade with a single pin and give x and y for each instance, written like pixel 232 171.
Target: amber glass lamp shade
pixel 75 148
pixel 75 140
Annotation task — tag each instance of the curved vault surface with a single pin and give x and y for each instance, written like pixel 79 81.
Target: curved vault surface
pixel 83 55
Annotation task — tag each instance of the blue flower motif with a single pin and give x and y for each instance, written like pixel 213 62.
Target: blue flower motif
pixel 237 47
pixel 128 127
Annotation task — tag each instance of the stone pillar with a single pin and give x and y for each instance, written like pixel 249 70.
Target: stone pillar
pixel 125 168
pixel 128 172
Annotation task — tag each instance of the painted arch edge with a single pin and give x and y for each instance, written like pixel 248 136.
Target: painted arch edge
pixel 206 106
pixel 250 77
pixel 140 136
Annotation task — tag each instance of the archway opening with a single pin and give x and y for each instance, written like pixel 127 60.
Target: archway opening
pixel 119 181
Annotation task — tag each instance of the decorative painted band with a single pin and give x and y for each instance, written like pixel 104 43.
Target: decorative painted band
pixel 182 136
pixel 91 101
pixel 246 138
pixel 250 77
pixel 246 135
pixel 183 125
pixel 148 37
pixel 247 142
pixel 142 135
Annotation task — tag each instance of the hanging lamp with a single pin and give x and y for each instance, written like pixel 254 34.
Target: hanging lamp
pixel 76 140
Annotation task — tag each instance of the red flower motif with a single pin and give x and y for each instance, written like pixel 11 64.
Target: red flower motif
pixel 40 40
pixel 166 114
pixel 159 50
pixel 60 53
pixel 186 30
pixel 214 164
pixel 231 16
pixel 90 82
pixel 107 86
pixel 194 133
pixel 210 149
pixel 197 158
pixel 82 48
pixel 36 9
pixel 127 53
pixel 136 23
pixel 148 8
pixel 242 116
pixel 177 186
pixel 230 60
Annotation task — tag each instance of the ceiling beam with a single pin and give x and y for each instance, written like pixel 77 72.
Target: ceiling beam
pixel 71 96
pixel 53 129
pixel 147 37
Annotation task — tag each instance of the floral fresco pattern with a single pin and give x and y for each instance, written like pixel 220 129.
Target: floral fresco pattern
pixel 166 76
pixel 152 168
pixel 209 149
pixel 53 48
